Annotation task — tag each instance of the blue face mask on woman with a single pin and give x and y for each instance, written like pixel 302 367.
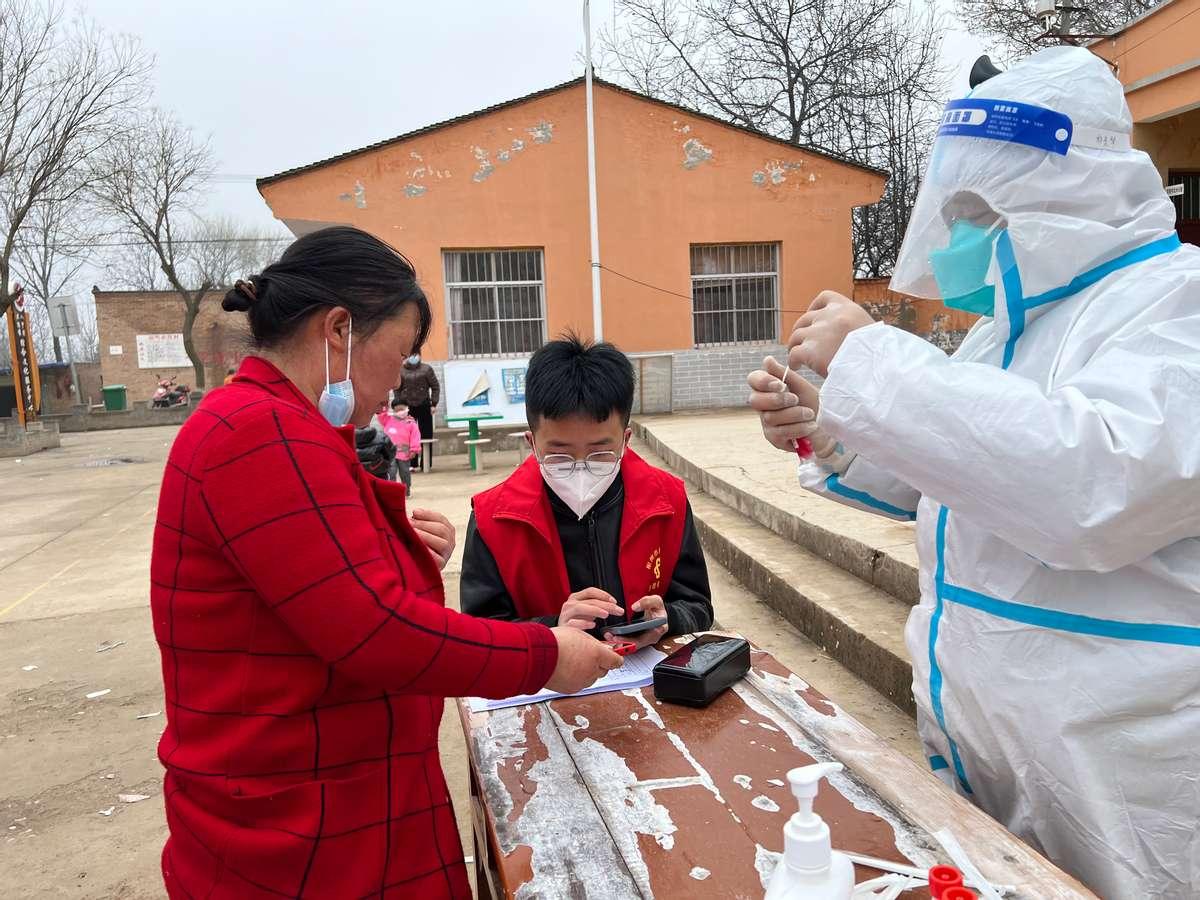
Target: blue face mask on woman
pixel 337 400
pixel 961 268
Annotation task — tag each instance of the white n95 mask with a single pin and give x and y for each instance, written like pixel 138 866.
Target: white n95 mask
pixel 337 400
pixel 580 490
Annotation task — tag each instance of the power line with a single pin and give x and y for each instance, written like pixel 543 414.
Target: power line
pixel 687 297
pixel 645 284
pixel 189 241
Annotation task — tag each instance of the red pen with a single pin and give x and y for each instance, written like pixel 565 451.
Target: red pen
pixel 620 647
pixel 804 448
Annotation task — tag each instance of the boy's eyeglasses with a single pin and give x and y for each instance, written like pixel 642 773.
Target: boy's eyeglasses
pixel 561 465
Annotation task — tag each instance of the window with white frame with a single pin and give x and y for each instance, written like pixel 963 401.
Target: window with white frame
pixel 735 293
pixel 496 302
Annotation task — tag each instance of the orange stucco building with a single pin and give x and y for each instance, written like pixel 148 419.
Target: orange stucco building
pixel 713 238
pixel 1157 58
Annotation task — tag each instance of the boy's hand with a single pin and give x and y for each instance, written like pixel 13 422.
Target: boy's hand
pixel 654 608
pixel 583 608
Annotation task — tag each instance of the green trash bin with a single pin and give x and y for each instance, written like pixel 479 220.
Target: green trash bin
pixel 114 397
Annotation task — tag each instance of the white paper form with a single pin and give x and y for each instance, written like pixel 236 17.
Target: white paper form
pixel 636 672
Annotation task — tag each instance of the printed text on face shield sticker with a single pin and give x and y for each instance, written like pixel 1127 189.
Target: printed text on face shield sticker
pixel 1014 123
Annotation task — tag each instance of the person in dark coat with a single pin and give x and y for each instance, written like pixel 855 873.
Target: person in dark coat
pixel 375 451
pixel 420 389
pixel 300 614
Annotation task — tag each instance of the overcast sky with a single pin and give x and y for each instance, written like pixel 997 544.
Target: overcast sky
pixel 278 84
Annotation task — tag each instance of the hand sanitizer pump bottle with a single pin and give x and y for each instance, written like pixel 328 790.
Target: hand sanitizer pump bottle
pixel 810 869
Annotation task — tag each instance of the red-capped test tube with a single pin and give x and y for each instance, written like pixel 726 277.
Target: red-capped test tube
pixel 941 879
pixel 958 893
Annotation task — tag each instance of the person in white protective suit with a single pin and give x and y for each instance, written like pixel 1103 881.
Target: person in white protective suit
pixel 1051 466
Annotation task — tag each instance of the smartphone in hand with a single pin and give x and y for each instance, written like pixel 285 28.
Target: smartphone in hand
pixel 636 627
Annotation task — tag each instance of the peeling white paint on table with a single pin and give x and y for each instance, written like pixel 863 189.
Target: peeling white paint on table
pixel 619 796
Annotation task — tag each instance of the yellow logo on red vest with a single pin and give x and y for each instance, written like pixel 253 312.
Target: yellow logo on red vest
pixel 654 565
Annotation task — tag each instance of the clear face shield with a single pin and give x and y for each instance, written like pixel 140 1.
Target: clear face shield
pixel 991 160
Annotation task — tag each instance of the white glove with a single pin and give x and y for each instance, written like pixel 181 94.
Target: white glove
pixel 828 453
pixel 787 404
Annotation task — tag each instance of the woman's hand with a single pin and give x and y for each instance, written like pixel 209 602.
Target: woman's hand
pixel 581 660
pixel 655 608
pixel 583 608
pixel 436 533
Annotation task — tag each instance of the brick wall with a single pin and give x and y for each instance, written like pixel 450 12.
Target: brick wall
pixel 655 383
pixel 715 377
pixel 439 417
pixel 921 316
pixel 56 388
pixel 122 315
pixel 89 382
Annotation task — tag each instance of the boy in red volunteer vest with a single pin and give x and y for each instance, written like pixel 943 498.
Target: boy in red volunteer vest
pixel 585 533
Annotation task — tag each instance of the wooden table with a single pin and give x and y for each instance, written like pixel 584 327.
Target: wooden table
pixel 472 429
pixel 619 796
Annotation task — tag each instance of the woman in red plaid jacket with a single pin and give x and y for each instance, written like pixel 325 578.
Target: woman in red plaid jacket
pixel 306 647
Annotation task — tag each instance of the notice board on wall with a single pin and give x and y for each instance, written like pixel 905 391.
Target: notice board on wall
pixel 162 351
pixel 495 386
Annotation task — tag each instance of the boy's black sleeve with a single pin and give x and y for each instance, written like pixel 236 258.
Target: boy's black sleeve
pixel 481 590
pixel 688 597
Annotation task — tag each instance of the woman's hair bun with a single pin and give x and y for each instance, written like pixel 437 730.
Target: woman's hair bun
pixel 241 298
pixel 335 267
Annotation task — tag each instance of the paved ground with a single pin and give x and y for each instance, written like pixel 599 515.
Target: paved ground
pixel 74 557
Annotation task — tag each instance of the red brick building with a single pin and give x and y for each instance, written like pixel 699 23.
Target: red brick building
pixel 141 339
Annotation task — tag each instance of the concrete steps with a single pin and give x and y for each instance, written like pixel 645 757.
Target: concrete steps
pixel 724 455
pixel 851 617
pixel 858 625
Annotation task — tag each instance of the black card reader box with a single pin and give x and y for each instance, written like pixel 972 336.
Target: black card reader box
pixel 699 671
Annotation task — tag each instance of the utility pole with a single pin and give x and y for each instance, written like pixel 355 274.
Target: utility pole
pixel 593 218
pixel 68 322
pixel 1057 18
pixel 1064 22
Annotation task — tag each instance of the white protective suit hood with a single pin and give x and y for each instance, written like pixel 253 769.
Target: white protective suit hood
pixel 1088 199
pixel 1052 466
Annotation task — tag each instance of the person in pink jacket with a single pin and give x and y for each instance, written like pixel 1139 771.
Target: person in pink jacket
pixel 406 435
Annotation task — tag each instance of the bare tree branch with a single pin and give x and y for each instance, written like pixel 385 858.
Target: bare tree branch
pixel 49 251
pixel 85 346
pixel 1014 31
pixel 135 267
pixel 64 90
pixel 150 181
pixel 859 79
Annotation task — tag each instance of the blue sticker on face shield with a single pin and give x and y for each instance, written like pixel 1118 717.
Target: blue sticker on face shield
pixel 1005 120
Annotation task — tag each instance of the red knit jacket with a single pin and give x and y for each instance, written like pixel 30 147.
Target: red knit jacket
pixel 306 651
